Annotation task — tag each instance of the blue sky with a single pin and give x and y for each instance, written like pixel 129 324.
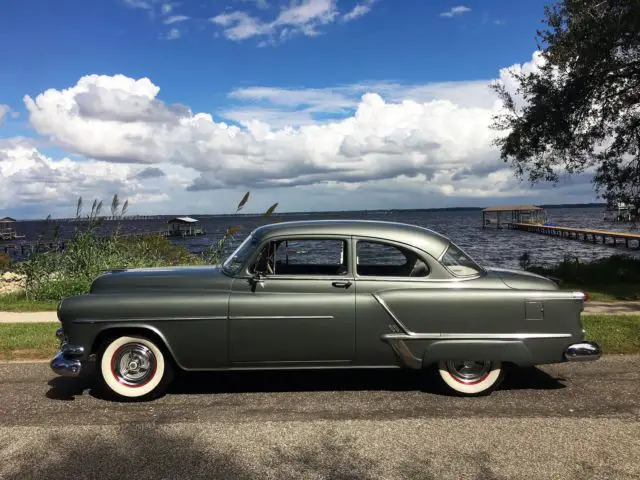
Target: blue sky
pixel 310 102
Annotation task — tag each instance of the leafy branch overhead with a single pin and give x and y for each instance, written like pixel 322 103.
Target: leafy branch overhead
pixel 580 110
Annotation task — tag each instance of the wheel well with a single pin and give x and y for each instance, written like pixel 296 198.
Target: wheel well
pixel 112 333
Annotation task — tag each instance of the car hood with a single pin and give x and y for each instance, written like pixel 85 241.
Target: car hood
pixel 198 278
pixel 522 280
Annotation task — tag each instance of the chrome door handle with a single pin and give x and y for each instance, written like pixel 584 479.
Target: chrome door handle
pixel 346 284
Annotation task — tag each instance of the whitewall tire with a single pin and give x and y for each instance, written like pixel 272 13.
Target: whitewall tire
pixel 470 377
pixel 134 367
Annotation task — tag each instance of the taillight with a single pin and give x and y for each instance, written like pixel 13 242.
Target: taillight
pixel 586 296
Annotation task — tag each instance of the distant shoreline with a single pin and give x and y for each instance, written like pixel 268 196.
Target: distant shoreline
pixel 321 212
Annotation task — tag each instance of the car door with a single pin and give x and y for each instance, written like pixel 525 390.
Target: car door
pixel 301 311
pixel 380 266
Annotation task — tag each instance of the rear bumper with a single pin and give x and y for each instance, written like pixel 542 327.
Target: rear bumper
pixel 66 362
pixel 583 351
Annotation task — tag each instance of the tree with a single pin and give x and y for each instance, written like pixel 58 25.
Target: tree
pixel 580 110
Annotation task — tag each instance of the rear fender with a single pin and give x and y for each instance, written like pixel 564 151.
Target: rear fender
pixel 514 351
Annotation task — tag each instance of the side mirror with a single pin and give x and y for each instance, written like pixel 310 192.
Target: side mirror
pixel 257 279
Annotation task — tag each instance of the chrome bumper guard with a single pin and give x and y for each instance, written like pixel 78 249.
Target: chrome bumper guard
pixel 582 352
pixel 66 362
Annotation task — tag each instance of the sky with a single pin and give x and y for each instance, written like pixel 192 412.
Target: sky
pixel 182 107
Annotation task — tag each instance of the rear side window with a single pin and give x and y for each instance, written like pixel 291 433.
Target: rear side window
pixel 377 259
pixel 459 263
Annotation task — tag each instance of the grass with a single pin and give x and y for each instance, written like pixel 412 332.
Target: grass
pixel 18 302
pixel 28 341
pixel 617 334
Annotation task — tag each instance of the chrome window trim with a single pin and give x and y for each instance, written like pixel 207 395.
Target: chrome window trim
pixel 300 277
pixel 281 317
pixel 451 281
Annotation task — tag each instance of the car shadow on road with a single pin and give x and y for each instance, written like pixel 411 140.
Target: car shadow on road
pixel 67 389
pixel 517 378
pixel 266 381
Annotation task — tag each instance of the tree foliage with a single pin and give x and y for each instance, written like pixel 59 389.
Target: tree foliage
pixel 580 110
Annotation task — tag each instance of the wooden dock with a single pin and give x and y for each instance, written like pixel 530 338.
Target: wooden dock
pixel 616 239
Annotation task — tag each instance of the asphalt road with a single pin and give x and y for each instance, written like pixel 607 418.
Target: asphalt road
pixel 562 421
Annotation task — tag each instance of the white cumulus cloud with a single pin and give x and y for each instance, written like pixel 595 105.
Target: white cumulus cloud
pixel 376 141
pixel 303 17
pixel 360 10
pixel 173 34
pixel 383 132
pixel 455 11
pixel 34 181
pixel 175 19
pixel 262 4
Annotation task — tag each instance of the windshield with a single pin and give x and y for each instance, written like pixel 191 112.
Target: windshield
pixel 234 262
pixel 459 263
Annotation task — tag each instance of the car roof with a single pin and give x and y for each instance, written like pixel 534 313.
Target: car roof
pixel 426 240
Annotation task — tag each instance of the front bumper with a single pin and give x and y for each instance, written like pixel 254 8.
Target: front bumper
pixel 582 352
pixel 66 362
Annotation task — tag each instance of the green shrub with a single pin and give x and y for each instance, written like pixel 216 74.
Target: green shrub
pixel 617 269
pixel 52 275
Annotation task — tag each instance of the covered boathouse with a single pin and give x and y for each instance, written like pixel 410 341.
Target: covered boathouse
pixel 502 216
pixel 184 227
pixel 7 232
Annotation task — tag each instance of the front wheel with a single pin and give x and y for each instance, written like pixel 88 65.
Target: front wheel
pixel 134 367
pixel 470 377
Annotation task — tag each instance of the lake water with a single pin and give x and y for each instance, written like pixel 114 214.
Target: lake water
pixel 488 246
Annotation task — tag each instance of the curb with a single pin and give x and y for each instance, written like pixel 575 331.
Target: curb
pixel 28 317
pixel 18 362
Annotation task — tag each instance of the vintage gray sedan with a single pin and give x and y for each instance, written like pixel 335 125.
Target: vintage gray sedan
pixel 321 294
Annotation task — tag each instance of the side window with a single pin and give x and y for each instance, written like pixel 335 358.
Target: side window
pixel 304 257
pixel 375 259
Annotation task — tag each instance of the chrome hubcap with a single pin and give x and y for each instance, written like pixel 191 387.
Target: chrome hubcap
pixel 469 371
pixel 134 364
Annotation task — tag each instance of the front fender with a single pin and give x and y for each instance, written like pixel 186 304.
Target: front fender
pixel 193 327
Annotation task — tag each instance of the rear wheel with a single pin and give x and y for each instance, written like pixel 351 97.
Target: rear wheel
pixel 471 377
pixel 134 367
